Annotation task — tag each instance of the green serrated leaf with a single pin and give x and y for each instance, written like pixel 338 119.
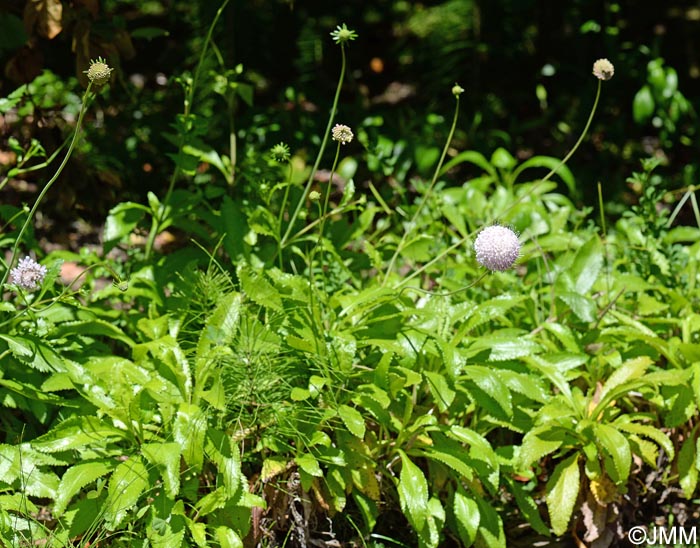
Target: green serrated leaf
pixel 309 464
pixel 562 492
pixel 537 443
pixel 75 433
pixel 616 446
pixel 126 485
pixel 77 477
pixel 413 493
pixel 440 389
pixel 166 456
pixel 257 288
pixel 353 420
pixel 687 468
pixel 467 517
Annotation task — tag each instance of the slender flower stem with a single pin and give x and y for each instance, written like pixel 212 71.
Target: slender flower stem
pixel 284 206
pixel 566 158
pixel 334 109
pixel 47 187
pixel 328 194
pixel 159 217
pixel 426 195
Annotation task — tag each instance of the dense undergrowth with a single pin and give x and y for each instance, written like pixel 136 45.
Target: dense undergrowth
pixel 314 364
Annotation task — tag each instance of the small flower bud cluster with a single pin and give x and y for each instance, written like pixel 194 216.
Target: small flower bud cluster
pixel 497 248
pixel 280 153
pixel 99 72
pixel 603 69
pixel 342 34
pixel 28 274
pixel 342 134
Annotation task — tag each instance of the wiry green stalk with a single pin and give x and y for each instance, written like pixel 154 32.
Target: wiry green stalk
pixel 47 187
pixel 411 224
pixel 314 169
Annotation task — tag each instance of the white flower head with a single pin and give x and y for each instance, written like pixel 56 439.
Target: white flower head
pixel 497 248
pixel 342 134
pixel 28 274
pixel 603 69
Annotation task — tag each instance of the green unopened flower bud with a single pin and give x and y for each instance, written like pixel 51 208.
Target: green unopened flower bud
pixel 343 34
pixel 314 196
pixel 603 69
pixel 457 90
pixel 99 72
pixel 280 153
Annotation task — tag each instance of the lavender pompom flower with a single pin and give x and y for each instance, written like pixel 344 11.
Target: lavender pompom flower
pixel 28 274
pixel 497 248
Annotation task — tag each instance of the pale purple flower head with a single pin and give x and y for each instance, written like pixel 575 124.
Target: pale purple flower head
pixel 497 248
pixel 28 274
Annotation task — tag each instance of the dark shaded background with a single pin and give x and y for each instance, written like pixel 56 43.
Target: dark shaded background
pixel 401 69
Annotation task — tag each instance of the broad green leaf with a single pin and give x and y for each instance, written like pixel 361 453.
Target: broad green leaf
pixel 440 389
pixel 451 454
pixel 587 265
pixel 309 464
pixel 487 380
pixel 528 507
pixel 413 493
pixel 77 432
pixel 617 448
pixel 584 307
pixel 353 420
pixel 513 348
pixel 189 428
pixel 661 439
pixel 537 443
pixel 31 392
pixel 471 157
pixel 235 227
pixel 562 492
pixel 503 159
pixel 227 537
pixel 687 467
pixel 166 456
pixel 368 509
pixel 548 162
pixel 34 353
pixel 643 105
pixel 122 219
pixel 490 533
pixel 631 369
pixel 77 477
pixel 256 287
pixel 212 501
pixel 94 327
pixel 467 516
pixel 222 325
pixel 126 485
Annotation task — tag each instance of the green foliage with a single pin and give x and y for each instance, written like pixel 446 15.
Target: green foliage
pixel 322 346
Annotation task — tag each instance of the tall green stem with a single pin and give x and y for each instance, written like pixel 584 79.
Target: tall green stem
pixel 334 109
pixel 189 99
pixel 47 187
pixel 567 157
pixel 426 195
